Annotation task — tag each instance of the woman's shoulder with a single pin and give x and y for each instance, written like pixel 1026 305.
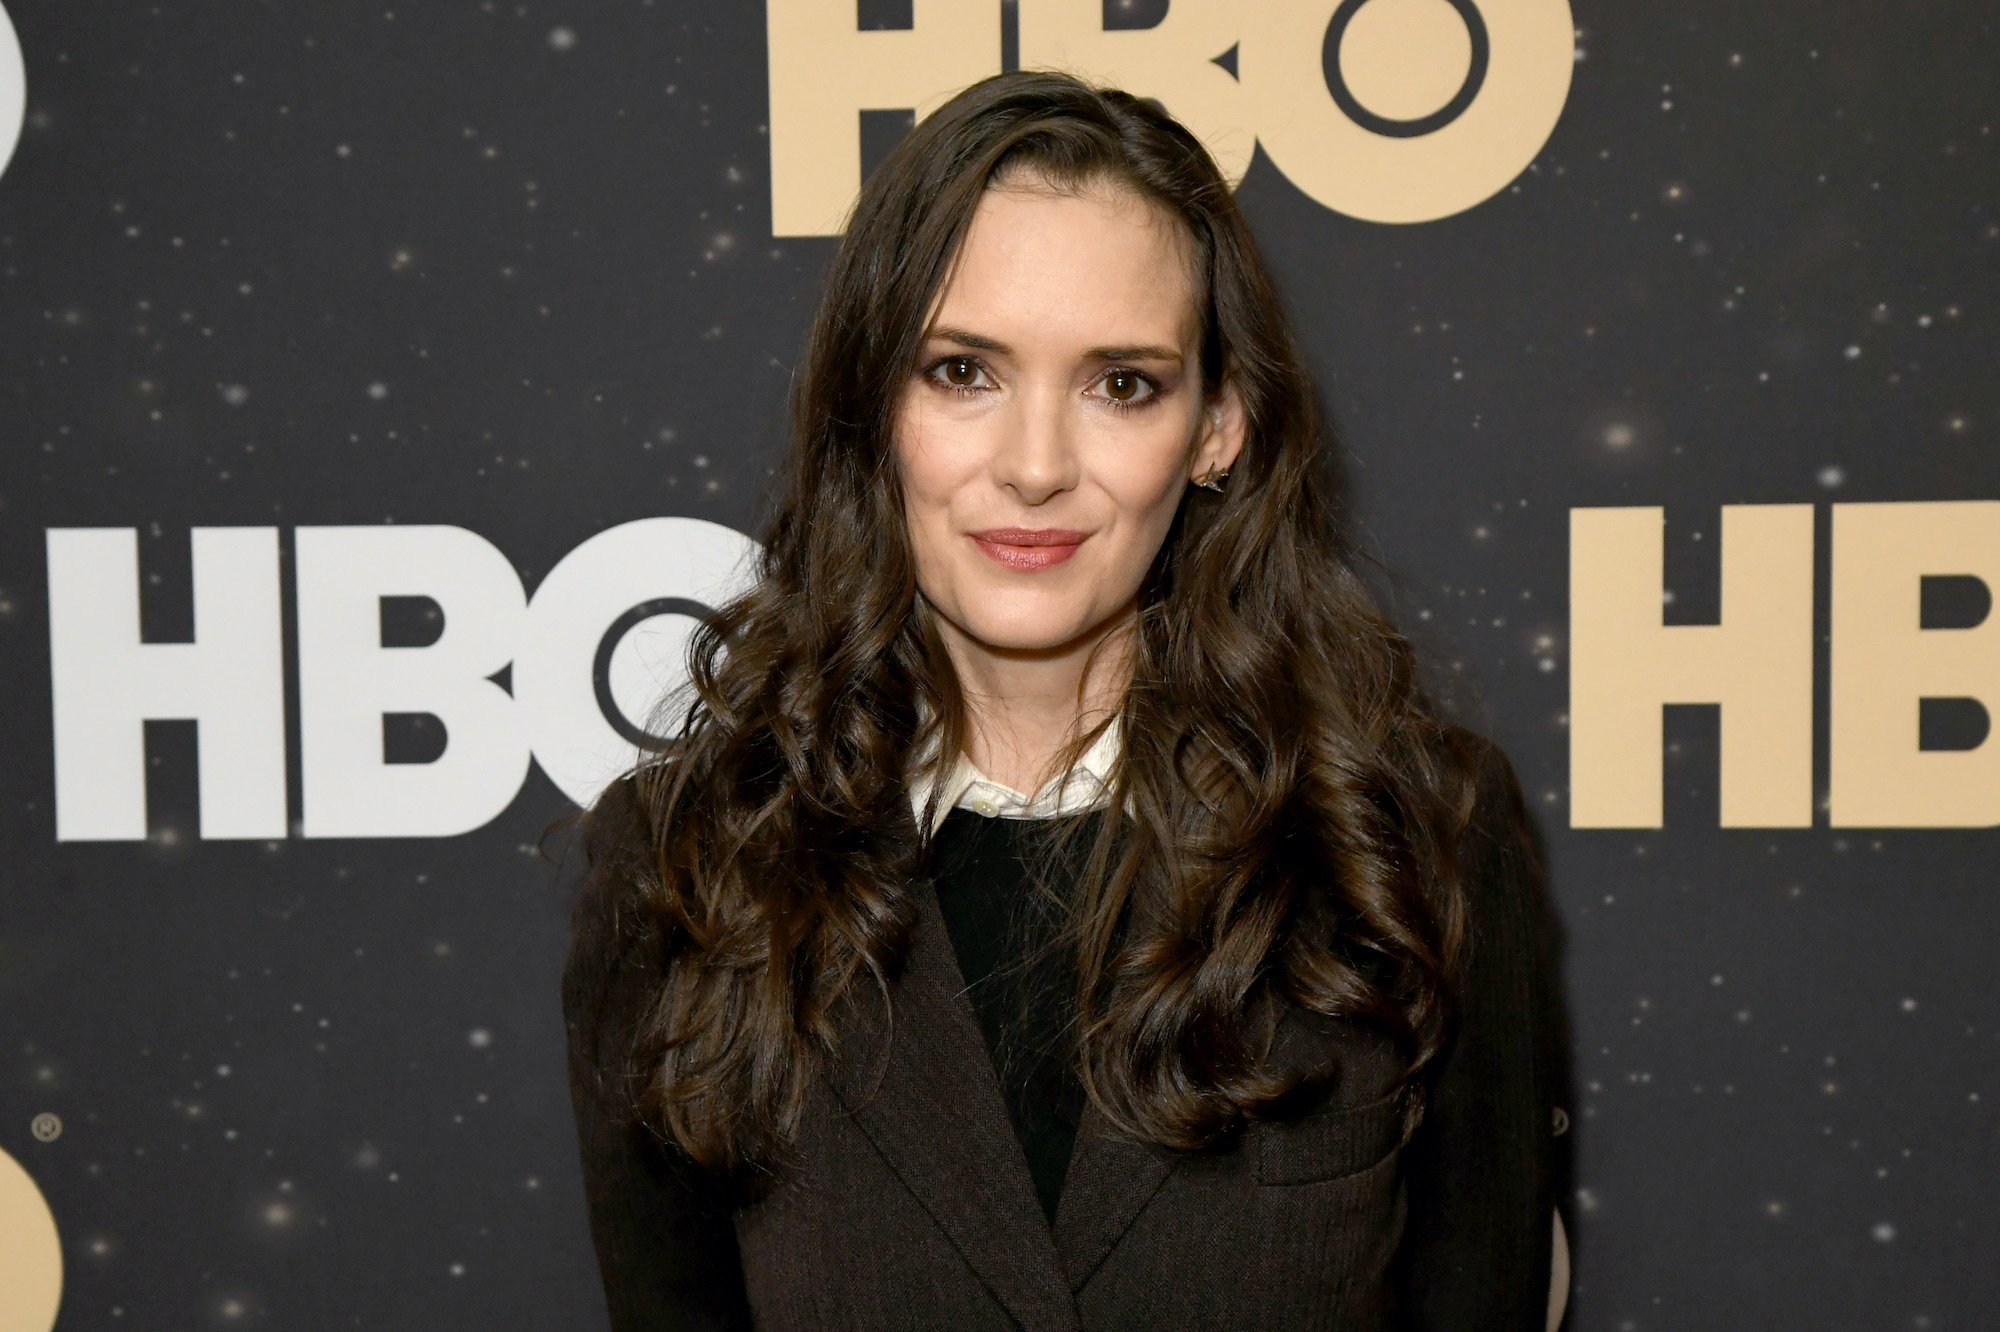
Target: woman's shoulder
pixel 1510 923
pixel 618 836
pixel 1493 809
pixel 617 826
pixel 613 940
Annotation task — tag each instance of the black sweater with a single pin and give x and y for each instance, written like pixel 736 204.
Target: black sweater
pixel 1004 936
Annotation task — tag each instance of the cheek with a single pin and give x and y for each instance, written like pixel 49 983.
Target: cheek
pixel 917 462
pixel 930 473
pixel 1148 481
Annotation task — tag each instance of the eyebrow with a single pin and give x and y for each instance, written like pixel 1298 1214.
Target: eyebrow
pixel 980 342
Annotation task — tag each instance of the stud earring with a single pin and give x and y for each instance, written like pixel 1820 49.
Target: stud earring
pixel 1211 479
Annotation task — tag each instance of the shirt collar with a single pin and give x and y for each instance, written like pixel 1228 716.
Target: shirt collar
pixel 966 787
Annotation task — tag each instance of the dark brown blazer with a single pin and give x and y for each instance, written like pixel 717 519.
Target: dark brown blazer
pixel 913 1207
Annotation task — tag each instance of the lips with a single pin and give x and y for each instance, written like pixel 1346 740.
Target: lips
pixel 1032 536
pixel 1028 549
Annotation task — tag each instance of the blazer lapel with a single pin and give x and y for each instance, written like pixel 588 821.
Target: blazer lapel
pixel 925 1094
pixel 1107 1183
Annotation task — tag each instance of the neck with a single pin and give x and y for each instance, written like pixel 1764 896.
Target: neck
pixel 1024 704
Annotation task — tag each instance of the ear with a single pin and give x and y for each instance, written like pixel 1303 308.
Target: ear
pixel 1219 433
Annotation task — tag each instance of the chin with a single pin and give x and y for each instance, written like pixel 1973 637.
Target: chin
pixel 1028 632
pixel 1030 643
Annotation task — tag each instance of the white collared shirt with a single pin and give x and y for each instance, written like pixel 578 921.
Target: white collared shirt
pixel 1087 788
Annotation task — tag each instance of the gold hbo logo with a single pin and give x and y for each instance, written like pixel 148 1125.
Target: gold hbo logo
pixel 30 1252
pixel 1385 110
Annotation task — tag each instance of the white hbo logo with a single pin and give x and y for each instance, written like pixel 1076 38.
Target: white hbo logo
pixel 601 641
pixel 13 89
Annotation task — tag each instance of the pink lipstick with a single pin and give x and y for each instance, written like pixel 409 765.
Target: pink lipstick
pixel 1028 549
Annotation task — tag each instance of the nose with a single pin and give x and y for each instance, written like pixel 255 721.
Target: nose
pixel 1036 456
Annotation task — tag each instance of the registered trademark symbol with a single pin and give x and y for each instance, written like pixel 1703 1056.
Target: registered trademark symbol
pixel 46 1127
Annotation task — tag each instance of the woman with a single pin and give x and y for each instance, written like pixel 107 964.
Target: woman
pixel 1243 1018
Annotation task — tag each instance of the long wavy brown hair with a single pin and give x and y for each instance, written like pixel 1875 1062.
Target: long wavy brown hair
pixel 1293 800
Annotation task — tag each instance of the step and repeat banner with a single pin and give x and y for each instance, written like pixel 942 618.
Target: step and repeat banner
pixel 385 390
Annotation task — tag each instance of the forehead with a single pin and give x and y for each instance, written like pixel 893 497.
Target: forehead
pixel 1090 267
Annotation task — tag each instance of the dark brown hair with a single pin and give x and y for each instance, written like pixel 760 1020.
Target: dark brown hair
pixel 1293 800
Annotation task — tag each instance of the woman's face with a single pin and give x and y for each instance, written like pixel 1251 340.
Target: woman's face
pixel 1054 417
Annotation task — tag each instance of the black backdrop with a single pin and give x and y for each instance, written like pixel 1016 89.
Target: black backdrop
pixel 510 268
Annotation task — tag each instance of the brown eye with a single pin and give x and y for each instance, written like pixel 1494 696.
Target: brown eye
pixel 1123 386
pixel 961 372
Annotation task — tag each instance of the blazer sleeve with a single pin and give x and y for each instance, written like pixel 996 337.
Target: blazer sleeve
pixel 1482 1168
pixel 665 1242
